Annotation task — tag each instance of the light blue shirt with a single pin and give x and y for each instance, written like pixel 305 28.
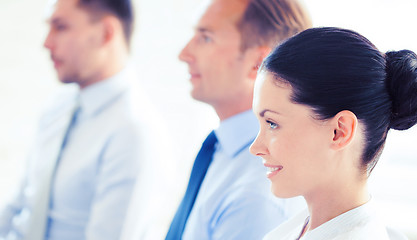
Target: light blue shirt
pixel 95 176
pixel 235 200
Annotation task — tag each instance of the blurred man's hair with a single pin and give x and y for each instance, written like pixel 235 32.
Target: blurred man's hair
pixel 121 9
pixel 268 22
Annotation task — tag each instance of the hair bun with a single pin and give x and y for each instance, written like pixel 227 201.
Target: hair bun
pixel 401 82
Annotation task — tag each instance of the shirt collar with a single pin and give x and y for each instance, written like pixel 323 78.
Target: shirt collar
pixel 237 132
pixel 93 98
pixel 348 220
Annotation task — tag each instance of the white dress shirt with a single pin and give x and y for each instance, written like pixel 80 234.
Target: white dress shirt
pixel 93 180
pixel 235 200
pixel 361 223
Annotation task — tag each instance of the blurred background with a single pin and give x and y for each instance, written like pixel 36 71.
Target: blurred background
pixel 27 79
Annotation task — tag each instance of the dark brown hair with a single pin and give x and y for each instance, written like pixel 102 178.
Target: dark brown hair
pixel 333 69
pixel 121 9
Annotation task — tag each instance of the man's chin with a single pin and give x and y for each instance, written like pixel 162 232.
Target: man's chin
pixel 65 78
pixel 199 96
pixel 196 95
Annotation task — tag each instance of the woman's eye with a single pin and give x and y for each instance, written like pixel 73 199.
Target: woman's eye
pixel 272 125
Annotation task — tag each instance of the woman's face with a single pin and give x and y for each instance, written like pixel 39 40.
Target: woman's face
pixel 294 146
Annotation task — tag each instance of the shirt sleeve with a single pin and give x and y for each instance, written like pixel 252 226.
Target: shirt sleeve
pixel 249 216
pixel 117 172
pixel 15 213
pixel 8 212
pixel 12 214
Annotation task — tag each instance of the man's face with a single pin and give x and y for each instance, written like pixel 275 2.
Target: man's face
pixel 74 42
pixel 217 66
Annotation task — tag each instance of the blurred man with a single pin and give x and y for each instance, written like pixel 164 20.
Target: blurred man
pixel 91 142
pixel 228 195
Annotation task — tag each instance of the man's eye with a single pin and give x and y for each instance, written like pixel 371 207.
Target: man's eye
pixel 205 39
pixel 60 27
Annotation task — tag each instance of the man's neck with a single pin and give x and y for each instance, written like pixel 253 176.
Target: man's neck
pixel 227 110
pixel 224 114
pixel 101 76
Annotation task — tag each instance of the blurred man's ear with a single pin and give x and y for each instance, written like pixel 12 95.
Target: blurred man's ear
pixel 111 27
pixel 259 54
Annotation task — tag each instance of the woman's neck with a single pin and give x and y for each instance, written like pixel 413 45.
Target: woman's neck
pixel 332 202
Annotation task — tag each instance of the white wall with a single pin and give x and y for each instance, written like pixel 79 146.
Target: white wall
pixel 27 78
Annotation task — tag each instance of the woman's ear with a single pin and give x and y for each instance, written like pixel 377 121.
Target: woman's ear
pixel 345 125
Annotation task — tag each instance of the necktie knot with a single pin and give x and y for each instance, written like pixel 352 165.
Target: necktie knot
pixel 210 141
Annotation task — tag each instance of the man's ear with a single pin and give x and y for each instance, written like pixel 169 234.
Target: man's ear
pixel 259 54
pixel 344 125
pixel 110 26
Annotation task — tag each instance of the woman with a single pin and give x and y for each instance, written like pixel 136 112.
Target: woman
pixel 325 100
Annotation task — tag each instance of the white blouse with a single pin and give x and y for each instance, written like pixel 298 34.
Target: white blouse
pixel 361 223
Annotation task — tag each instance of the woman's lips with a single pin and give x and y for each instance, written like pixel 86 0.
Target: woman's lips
pixel 272 170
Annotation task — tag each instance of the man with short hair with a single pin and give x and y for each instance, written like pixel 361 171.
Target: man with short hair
pixel 94 141
pixel 228 195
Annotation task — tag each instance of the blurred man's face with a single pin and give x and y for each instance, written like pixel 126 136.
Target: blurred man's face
pixel 74 41
pixel 218 68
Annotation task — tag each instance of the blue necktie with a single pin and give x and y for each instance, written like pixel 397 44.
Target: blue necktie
pixel 38 223
pixel 200 167
pixel 71 124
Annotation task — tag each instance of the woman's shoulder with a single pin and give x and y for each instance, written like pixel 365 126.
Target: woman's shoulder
pixel 370 230
pixel 290 229
pixel 361 223
pixel 368 225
